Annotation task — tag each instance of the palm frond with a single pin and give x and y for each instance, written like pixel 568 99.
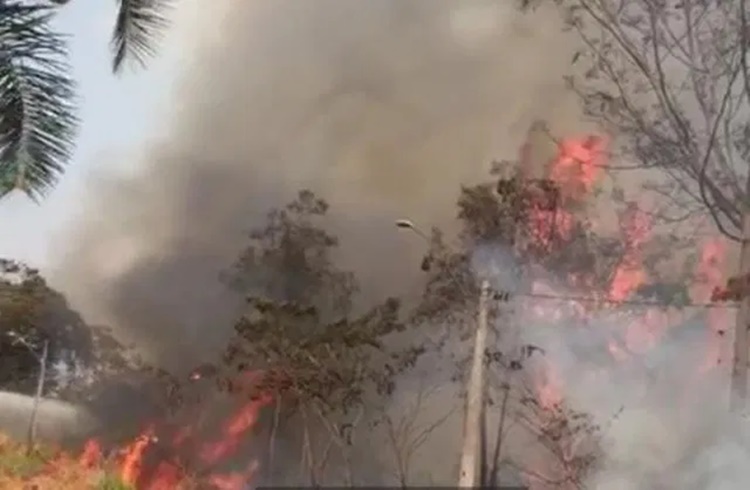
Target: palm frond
pixel 139 26
pixel 38 121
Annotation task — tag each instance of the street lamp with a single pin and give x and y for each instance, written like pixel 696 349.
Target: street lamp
pixel 406 224
pixel 469 466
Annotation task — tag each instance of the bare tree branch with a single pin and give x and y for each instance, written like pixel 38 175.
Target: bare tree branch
pixel 672 81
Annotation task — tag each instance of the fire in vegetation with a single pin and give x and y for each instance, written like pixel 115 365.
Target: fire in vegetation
pixel 585 283
pixel 166 456
pixel 554 229
pixel 624 288
pixel 153 460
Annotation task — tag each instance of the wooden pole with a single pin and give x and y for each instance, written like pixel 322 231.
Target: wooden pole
pixel 468 476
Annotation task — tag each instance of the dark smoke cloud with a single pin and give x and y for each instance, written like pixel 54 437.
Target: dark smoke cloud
pixel 383 107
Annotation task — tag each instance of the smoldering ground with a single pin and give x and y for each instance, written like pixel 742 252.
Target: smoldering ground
pixel 383 108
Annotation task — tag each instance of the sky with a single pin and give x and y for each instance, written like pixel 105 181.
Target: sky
pixel 117 114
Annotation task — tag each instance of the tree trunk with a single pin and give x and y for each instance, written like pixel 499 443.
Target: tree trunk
pixel 475 398
pixel 272 439
pixel 738 390
pixel 494 469
pixel 31 435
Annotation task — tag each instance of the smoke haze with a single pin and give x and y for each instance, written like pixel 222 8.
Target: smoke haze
pixel 383 108
pixel 662 409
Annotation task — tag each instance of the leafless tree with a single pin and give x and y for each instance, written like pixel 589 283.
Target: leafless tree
pixel 408 431
pixel 342 435
pixel 551 445
pixel 670 79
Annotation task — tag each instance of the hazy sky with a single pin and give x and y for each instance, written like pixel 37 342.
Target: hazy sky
pixel 116 113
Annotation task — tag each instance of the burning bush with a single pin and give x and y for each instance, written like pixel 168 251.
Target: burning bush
pixel 46 468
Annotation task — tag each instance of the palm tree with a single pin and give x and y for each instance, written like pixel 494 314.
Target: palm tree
pixel 38 109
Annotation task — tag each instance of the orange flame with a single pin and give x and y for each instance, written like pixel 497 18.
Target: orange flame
pixel 629 275
pixel 578 165
pixel 233 430
pixel 91 455
pixel 576 170
pixel 167 474
pixel 133 457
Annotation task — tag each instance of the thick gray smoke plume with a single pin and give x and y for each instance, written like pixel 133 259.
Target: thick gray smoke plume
pixel 662 407
pixel 382 107
pixel 654 380
pixel 56 420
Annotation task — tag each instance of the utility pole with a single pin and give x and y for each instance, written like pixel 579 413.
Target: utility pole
pixel 475 392
pixel 468 476
pixel 738 389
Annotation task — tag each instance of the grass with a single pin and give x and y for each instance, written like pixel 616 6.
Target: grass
pixel 111 482
pixel 49 469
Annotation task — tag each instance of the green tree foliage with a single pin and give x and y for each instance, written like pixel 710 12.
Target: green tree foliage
pixel 139 24
pixel 299 336
pixel 38 109
pixel 86 364
pixel 31 313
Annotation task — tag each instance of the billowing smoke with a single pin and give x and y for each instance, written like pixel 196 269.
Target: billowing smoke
pixel 55 420
pixel 382 107
pixel 661 406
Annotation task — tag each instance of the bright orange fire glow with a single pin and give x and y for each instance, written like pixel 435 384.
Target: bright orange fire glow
pixel 629 275
pixel 578 165
pixel 133 457
pixel 233 430
pixel 91 455
pixel 576 170
pixel 168 474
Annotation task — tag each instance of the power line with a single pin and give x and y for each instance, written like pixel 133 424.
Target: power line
pixel 588 299
pixel 504 295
